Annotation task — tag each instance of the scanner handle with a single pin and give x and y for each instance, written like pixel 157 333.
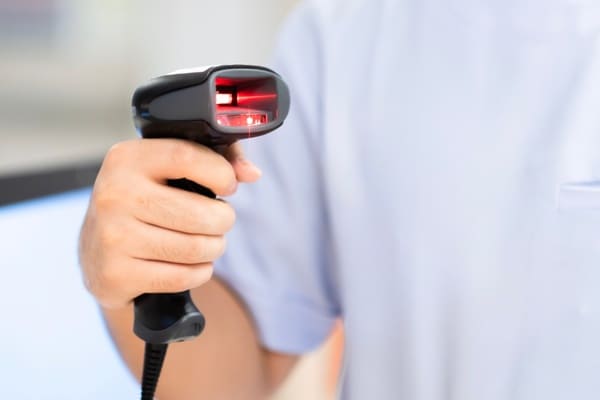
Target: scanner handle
pixel 161 318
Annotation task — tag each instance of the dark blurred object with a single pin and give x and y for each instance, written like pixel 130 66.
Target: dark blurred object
pixel 25 186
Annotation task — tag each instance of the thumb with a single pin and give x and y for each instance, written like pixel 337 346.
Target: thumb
pixel 245 170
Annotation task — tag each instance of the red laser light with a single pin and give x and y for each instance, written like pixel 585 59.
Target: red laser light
pixel 256 97
pixel 224 98
pixel 245 103
pixel 241 118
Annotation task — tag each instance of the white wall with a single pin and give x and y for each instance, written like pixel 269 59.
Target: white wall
pixel 67 98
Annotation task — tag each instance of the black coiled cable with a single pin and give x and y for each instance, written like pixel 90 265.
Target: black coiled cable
pixel 154 356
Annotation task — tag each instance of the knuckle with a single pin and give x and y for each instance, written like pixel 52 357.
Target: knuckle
pixel 109 277
pixel 117 153
pixel 110 191
pixel 110 237
pixel 105 197
pixel 107 280
pixel 104 284
pixel 182 153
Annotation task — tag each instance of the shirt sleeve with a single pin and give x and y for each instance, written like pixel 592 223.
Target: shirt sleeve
pixel 276 259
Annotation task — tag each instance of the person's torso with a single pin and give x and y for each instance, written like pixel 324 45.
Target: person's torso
pixel 461 146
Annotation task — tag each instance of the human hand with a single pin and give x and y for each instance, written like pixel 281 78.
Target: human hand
pixel 142 236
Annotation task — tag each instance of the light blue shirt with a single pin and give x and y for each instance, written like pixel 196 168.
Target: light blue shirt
pixel 436 186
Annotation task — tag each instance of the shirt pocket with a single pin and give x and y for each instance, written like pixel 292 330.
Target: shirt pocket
pixel 564 304
pixel 578 223
pixel 579 196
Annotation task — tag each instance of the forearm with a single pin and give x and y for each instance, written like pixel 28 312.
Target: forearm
pixel 225 362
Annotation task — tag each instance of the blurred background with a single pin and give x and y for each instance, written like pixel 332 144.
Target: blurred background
pixel 68 67
pixel 67 72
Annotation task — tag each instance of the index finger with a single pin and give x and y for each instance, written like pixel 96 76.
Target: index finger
pixel 165 159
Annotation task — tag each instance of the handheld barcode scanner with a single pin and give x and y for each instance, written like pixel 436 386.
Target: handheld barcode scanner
pixel 212 106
